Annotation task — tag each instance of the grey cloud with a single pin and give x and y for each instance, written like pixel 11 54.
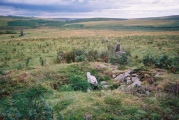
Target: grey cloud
pixel 90 8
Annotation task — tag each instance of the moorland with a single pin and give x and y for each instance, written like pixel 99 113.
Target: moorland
pixel 43 72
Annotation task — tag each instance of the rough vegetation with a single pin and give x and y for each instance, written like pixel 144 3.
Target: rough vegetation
pixel 164 62
pixel 43 72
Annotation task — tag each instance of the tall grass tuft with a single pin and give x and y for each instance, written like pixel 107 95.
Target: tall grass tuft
pixel 42 62
pixel 27 61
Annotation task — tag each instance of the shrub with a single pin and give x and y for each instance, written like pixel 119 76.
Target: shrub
pixel 92 55
pixel 162 62
pixel 59 56
pixel 78 55
pixel 69 57
pixel 174 65
pixel 123 59
pixel 120 58
pixel 148 60
pixel 79 52
pixel 104 56
pixel 78 83
pixel 80 58
pixel 113 59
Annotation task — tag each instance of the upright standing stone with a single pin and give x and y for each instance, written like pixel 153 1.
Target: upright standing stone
pixel 21 32
pixel 117 48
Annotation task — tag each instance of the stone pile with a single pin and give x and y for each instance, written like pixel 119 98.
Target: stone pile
pixel 130 79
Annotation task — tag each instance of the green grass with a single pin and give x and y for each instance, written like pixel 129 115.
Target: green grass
pixel 14 52
pixel 69 104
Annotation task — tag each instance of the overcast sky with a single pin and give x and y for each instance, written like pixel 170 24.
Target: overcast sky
pixel 89 8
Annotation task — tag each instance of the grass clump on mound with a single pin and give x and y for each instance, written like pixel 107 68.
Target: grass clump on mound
pixel 163 62
pixel 29 103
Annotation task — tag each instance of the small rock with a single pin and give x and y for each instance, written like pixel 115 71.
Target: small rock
pixel 147 93
pixel 120 78
pixel 88 90
pixel 126 74
pixel 121 87
pixel 128 81
pixel 128 78
pixel 109 90
pixel 103 82
pixel 135 79
pixel 136 83
pixel 113 76
pixel 105 86
pixel 102 90
pixel 138 94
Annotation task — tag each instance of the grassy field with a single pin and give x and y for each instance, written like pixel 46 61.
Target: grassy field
pixel 43 73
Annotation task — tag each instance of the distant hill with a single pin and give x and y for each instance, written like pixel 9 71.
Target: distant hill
pixel 165 23
pixel 95 19
pixel 173 17
pixel 76 20
pixel 13 22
